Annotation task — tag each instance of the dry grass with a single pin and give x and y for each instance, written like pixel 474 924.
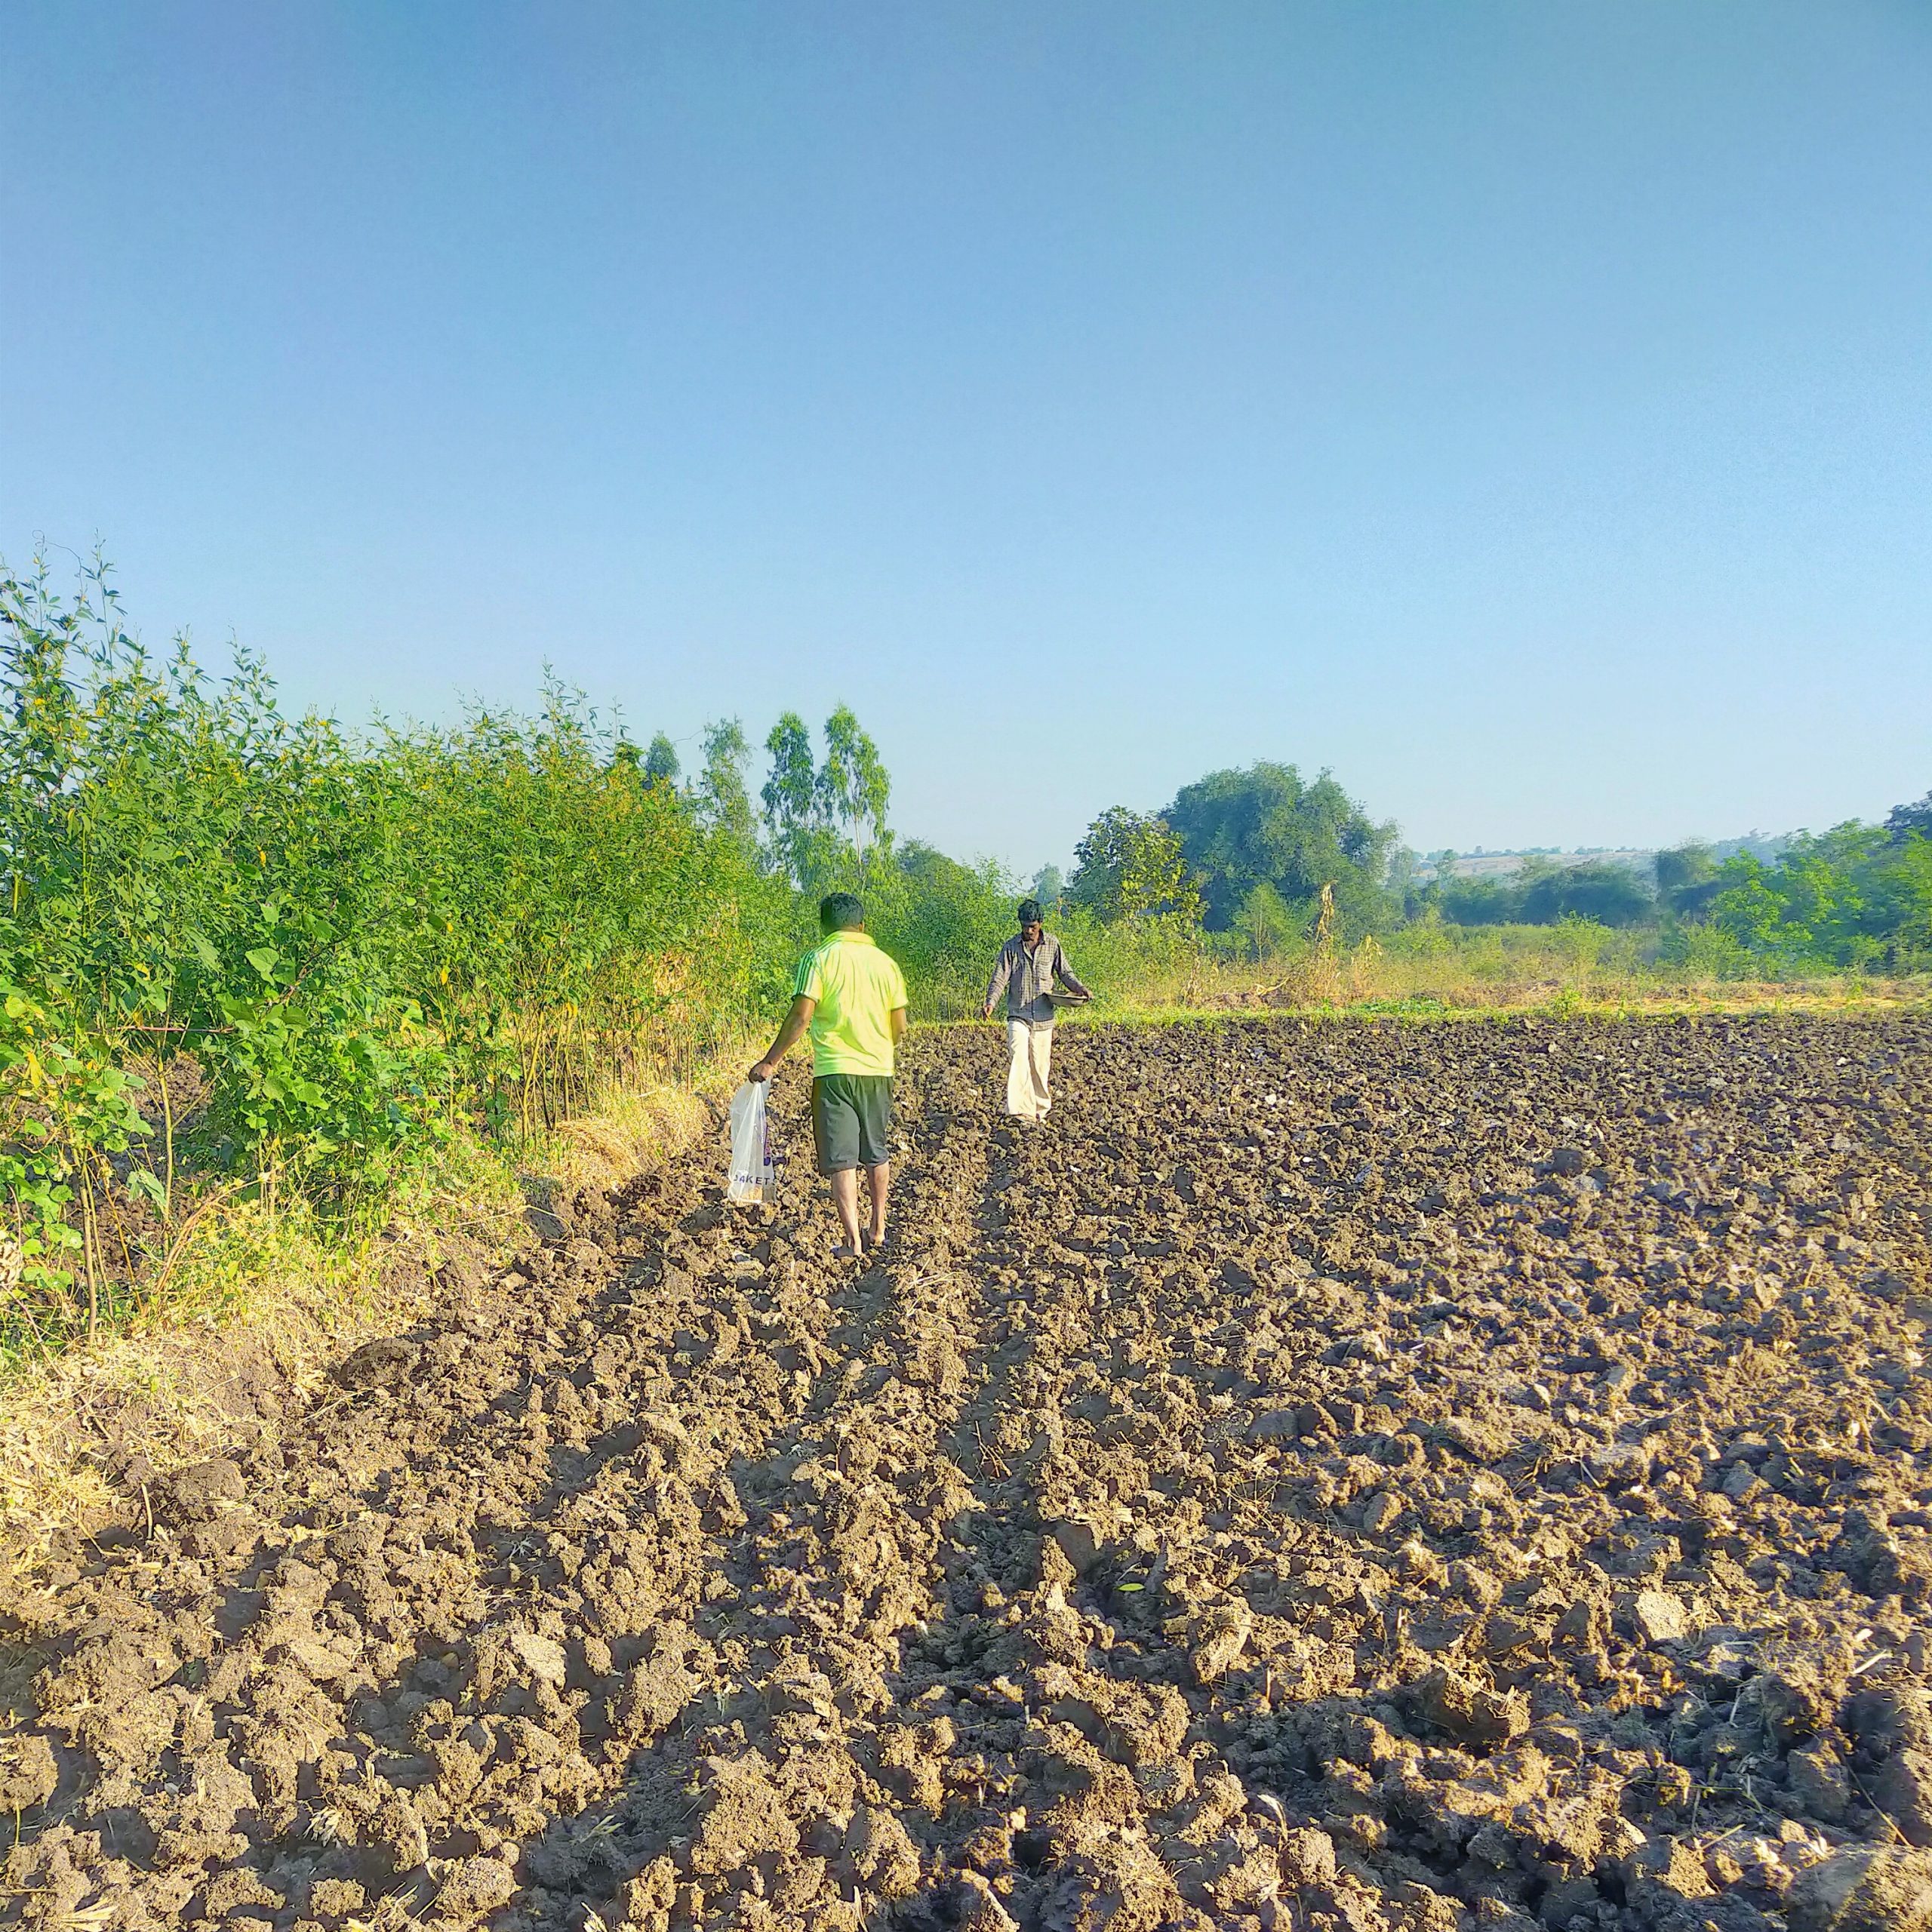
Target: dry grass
pixel 215 1365
pixel 1484 970
pixel 633 1126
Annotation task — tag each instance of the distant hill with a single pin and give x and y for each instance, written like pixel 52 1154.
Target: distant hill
pixel 1642 859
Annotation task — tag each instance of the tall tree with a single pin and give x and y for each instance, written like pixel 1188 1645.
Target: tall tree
pixel 1904 820
pixel 660 762
pixel 826 822
pixel 1687 876
pixel 724 799
pixel 1610 895
pixel 1237 828
pixel 853 787
pixel 790 797
pixel 1129 866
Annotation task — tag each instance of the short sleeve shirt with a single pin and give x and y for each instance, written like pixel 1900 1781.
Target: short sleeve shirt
pixel 857 988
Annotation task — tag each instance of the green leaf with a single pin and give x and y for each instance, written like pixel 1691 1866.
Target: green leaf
pixel 264 959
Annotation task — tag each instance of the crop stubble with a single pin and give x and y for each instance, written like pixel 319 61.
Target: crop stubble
pixel 1328 1476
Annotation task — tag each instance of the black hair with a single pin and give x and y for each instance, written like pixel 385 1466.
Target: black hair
pixel 840 912
pixel 1030 913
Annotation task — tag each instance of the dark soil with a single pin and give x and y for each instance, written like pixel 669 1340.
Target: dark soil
pixel 1352 1476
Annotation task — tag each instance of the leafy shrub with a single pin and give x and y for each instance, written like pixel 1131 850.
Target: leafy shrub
pixel 364 944
pixel 1858 896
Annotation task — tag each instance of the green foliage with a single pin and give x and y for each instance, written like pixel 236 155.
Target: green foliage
pixel 1483 961
pixel 943 921
pixel 853 787
pixel 1905 820
pixel 1239 829
pixel 1544 893
pixel 660 762
pixel 791 801
pixel 1604 895
pixel 1115 957
pixel 360 946
pixel 1857 897
pixel 1473 902
pixel 1266 924
pixel 1699 950
pixel 723 797
pixel 1129 866
pixel 69 1107
pixel 824 823
pixel 1686 875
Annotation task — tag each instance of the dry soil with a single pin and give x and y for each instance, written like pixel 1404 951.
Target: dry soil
pixel 1352 1476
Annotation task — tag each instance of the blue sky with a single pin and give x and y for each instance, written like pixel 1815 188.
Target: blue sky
pixel 1525 410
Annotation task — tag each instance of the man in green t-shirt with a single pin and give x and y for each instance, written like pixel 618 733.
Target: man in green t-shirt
pixel 851 998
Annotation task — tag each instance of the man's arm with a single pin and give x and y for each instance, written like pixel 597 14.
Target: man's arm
pixel 1063 971
pixel 896 1019
pixel 796 1021
pixel 1002 972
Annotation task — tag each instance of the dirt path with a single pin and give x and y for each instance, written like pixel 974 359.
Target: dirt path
pixel 1355 1476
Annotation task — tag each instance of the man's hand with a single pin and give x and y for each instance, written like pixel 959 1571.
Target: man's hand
pixel 796 1021
pixel 987 1011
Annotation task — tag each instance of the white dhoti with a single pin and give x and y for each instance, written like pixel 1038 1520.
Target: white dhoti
pixel 1030 1051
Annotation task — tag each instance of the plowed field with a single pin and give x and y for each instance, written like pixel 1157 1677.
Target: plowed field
pixel 1359 1476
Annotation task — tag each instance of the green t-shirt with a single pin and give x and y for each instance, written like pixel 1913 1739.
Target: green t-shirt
pixel 858 988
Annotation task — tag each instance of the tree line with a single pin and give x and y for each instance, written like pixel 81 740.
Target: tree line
pixel 1252 857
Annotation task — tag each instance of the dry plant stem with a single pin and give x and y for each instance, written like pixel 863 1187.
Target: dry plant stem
pixel 210 1205
pixel 167 1146
pixel 90 1247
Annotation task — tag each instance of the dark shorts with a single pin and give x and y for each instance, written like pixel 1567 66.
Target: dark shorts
pixel 851 1120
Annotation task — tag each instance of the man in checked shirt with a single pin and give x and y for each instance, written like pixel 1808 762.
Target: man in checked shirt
pixel 1029 964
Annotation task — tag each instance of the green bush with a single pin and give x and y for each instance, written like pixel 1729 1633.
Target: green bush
pixel 944 923
pixel 358 944
pixel 1858 896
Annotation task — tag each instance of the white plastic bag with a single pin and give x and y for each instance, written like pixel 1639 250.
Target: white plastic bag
pixel 750 1145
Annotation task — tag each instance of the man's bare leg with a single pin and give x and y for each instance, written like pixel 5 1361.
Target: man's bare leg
pixel 845 1199
pixel 878 1180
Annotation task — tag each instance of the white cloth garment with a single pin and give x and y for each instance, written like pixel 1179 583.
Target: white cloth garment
pixel 1030 1049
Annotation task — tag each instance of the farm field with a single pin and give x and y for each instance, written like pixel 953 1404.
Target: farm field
pixel 1328 1475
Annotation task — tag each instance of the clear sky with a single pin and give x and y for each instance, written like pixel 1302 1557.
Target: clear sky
pixel 1524 409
